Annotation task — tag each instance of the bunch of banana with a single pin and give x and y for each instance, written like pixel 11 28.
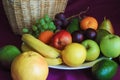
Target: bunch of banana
pixel 30 43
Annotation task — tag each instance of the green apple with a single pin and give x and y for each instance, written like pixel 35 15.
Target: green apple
pixel 110 45
pixel 93 50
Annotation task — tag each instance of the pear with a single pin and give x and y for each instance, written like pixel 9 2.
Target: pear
pixel 107 25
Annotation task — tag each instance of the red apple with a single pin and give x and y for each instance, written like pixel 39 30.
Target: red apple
pixel 61 39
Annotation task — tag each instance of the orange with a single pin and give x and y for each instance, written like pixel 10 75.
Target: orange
pixel 46 36
pixel 88 22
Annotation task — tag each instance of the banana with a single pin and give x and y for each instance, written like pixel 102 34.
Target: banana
pixel 54 61
pixel 50 61
pixel 25 47
pixel 42 48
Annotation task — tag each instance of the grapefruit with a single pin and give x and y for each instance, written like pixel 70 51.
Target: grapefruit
pixel 29 66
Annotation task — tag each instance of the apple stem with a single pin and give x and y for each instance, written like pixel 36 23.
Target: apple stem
pixel 87 47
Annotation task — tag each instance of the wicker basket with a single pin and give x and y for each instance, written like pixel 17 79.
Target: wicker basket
pixel 23 13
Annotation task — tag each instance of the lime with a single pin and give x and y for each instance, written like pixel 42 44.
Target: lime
pixel 7 54
pixel 104 69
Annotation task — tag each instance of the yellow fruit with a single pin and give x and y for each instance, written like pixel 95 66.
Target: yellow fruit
pixel 29 66
pixel 74 54
pixel 50 61
pixel 42 48
pixel 25 47
pixel 53 61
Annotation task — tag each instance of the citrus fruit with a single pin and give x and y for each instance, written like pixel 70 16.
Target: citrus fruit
pixel 7 54
pixel 46 36
pixel 29 66
pixel 104 69
pixel 88 22
pixel 74 54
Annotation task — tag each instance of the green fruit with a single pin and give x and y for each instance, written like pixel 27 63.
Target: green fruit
pixel 7 54
pixel 100 34
pixel 74 25
pixel 107 25
pixel 110 45
pixel 92 49
pixel 104 69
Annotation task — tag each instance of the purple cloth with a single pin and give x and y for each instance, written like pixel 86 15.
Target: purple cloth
pixel 98 9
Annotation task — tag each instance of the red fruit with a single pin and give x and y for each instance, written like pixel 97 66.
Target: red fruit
pixel 61 39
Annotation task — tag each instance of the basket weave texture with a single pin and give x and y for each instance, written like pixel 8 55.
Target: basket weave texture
pixel 24 13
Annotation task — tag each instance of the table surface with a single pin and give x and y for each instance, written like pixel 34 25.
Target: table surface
pixel 98 9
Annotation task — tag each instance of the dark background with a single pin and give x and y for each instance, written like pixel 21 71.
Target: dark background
pixel 98 9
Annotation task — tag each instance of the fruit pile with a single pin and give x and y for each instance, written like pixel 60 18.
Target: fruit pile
pixel 76 41
pixel 70 42
pixel 86 32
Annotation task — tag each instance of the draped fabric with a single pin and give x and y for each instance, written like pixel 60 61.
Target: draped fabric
pixel 97 8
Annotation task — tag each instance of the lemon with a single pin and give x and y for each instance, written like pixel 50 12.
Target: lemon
pixel 104 69
pixel 7 54
pixel 74 54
